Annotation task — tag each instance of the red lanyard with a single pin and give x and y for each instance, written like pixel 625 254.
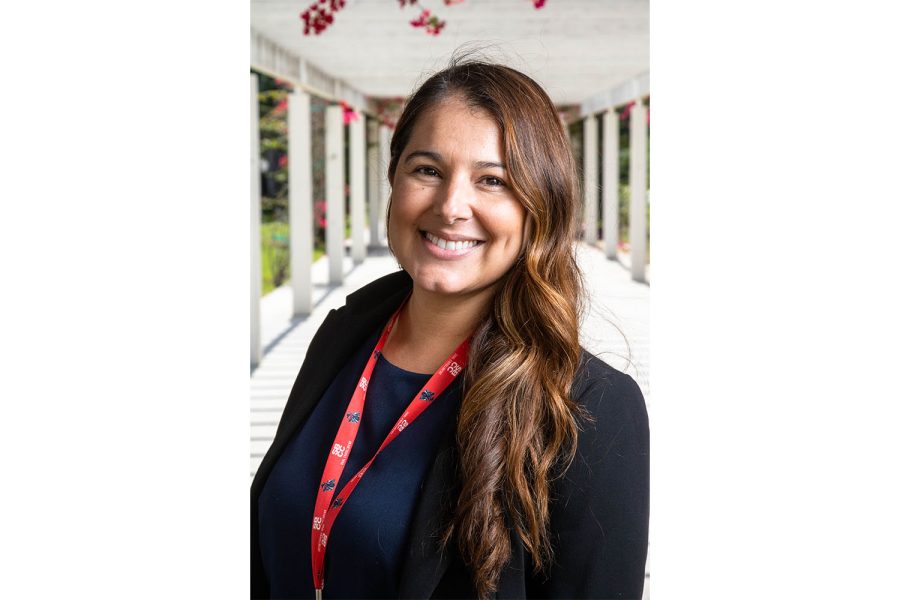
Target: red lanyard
pixel 327 510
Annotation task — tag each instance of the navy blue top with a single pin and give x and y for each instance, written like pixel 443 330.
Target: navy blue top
pixel 368 539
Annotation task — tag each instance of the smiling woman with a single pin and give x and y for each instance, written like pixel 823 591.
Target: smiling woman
pixel 527 475
pixel 455 226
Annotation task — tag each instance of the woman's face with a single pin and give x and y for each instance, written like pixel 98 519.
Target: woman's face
pixel 455 225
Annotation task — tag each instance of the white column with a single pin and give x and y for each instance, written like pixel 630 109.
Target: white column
pixel 358 188
pixel 255 217
pixel 591 196
pixel 373 189
pixel 334 192
pixel 637 211
pixel 300 200
pixel 611 182
pixel 384 159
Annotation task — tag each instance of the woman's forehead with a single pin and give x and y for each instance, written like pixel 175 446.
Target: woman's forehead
pixel 453 122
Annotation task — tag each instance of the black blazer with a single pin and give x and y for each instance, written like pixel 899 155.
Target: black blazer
pixel 599 510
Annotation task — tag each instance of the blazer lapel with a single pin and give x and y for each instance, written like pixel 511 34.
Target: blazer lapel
pixel 425 564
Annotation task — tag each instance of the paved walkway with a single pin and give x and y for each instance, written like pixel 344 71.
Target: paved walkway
pixel 615 328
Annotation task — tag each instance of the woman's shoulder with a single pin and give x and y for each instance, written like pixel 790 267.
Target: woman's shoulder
pixel 613 403
pixel 600 387
pixel 600 510
pixel 369 303
pixel 382 289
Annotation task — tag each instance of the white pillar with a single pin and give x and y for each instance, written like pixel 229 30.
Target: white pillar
pixel 611 182
pixel 334 192
pixel 637 211
pixel 255 217
pixel 300 200
pixel 384 159
pixel 373 189
pixel 358 188
pixel 591 197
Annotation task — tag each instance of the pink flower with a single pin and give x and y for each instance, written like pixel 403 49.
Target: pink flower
pixel 319 213
pixel 349 113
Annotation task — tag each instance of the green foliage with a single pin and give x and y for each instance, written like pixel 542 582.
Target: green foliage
pixel 275 254
pixel 273 146
pixel 624 207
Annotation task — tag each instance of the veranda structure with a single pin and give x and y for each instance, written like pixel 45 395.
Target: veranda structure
pixel 590 55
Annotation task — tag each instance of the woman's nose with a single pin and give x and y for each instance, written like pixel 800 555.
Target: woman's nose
pixel 453 203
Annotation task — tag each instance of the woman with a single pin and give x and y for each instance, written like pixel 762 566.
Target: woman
pixel 508 461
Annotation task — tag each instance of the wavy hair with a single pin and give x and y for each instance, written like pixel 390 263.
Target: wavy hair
pixel 517 427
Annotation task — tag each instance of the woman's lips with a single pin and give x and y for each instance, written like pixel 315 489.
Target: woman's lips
pixel 444 248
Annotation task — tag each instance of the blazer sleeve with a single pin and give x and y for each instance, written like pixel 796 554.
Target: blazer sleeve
pixel 600 507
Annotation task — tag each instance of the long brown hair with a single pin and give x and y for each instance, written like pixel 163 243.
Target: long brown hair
pixel 517 424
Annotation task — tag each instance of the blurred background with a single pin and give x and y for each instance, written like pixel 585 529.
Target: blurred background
pixel 328 81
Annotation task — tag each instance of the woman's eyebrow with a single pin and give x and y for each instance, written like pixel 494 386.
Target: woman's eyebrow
pixel 486 164
pixel 423 154
pixel 436 157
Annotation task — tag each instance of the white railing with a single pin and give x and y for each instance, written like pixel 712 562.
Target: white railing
pixel 608 103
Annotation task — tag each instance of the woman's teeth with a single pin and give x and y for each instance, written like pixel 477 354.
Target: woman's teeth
pixel 447 245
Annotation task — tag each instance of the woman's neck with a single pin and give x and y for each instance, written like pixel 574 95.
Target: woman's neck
pixel 430 328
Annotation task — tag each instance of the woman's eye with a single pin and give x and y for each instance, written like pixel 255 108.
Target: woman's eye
pixel 429 171
pixel 493 181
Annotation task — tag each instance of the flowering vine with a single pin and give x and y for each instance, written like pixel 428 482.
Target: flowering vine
pixel 431 23
pixel 319 16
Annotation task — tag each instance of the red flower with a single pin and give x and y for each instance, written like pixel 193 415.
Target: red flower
pixel 280 107
pixel 319 16
pixel 349 113
pixel 282 161
pixel 431 23
pixel 319 213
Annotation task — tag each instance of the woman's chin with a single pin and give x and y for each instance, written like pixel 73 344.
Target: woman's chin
pixel 442 286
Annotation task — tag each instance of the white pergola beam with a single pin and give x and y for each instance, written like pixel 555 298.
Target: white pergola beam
pixel 611 183
pixel 622 94
pixel 637 213
pixel 358 189
pixel 591 197
pixel 300 200
pixel 334 192
pixel 255 217
pixel 269 57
